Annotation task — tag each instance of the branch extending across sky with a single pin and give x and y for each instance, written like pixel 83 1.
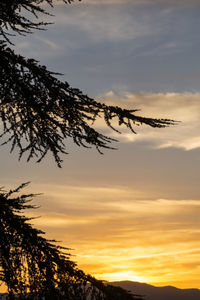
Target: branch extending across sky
pixel 38 111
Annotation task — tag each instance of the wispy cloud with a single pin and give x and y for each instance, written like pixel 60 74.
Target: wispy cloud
pixel 183 107
pixel 146 240
pixel 103 24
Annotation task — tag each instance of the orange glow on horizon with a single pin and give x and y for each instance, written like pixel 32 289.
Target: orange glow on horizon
pixel 119 235
pixel 149 241
pixel 121 276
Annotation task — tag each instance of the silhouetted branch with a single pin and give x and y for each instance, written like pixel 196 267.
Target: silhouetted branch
pixel 39 112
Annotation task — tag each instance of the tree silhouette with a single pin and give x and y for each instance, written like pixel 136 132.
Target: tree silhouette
pixel 38 112
pixel 36 268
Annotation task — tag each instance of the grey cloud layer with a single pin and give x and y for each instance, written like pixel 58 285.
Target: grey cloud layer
pixel 146 2
pixel 103 47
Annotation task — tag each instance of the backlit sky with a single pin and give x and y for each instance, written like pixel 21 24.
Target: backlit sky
pixel 132 213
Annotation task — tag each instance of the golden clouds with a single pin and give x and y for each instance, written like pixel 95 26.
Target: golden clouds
pixel 117 233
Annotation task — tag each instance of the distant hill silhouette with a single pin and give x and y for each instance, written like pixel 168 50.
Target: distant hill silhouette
pixel 159 293
pixel 153 293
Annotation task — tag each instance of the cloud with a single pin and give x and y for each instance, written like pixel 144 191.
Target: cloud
pixel 101 46
pixel 119 231
pixel 116 232
pixel 100 24
pixel 183 107
pixel 38 47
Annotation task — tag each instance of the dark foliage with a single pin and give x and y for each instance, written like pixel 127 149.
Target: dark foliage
pixel 33 267
pixel 39 111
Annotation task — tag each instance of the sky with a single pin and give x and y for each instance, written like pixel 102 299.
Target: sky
pixel 132 213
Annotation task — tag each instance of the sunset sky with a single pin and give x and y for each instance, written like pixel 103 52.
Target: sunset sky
pixel 132 213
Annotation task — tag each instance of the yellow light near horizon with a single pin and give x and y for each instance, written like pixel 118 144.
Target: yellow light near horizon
pixel 121 276
pixel 117 234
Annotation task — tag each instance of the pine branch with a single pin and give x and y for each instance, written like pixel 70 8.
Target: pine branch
pixel 39 112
